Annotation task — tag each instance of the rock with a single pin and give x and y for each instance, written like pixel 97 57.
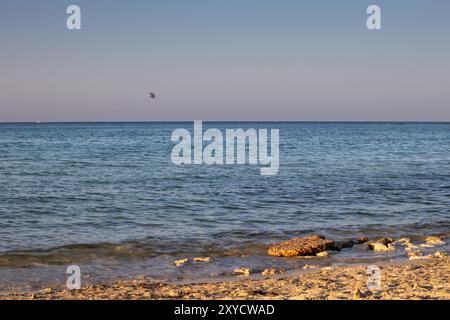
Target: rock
pixel 426 245
pixel 440 254
pixel 346 244
pixel 322 254
pixel 357 294
pixel 269 272
pixel 47 290
pixel 417 255
pixel 180 262
pixel 202 259
pixel 378 247
pixel 420 257
pixel 434 241
pixel 406 242
pixel 327 268
pixel 310 266
pixel 381 245
pixel 414 253
pixel 360 247
pixel 243 271
pixel 351 243
pixel 308 246
pixel 362 240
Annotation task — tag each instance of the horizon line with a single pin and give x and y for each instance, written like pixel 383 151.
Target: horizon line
pixel 227 121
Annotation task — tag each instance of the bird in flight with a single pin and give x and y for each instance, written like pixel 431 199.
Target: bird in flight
pixel 151 96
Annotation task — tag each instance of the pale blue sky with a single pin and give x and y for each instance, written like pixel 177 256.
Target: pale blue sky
pixel 224 60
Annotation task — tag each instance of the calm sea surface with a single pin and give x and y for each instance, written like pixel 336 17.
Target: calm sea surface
pixel 107 197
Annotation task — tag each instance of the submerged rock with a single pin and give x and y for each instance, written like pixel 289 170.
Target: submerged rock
pixel 308 246
pixel 381 245
pixel 243 271
pixel 417 255
pixel 202 259
pixel 269 272
pixel 420 257
pixel 180 262
pixel 406 242
pixel 351 243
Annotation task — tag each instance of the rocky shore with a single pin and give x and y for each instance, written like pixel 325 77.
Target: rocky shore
pixel 420 279
pixel 425 275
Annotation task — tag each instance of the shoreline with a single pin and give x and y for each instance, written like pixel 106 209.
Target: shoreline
pixel 416 279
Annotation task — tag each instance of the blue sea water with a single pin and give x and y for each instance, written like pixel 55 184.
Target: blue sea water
pixel 106 195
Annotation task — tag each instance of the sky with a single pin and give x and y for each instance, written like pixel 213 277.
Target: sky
pixel 233 60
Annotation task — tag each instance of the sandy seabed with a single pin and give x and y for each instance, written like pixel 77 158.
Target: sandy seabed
pixel 419 279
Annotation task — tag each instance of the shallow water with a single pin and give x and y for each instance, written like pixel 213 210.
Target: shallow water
pixel 107 197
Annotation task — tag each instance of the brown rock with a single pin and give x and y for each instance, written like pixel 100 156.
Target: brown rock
pixel 308 246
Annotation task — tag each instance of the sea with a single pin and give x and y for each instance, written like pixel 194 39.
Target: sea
pixel 108 198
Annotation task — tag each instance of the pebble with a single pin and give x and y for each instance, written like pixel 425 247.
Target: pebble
pixel 357 294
